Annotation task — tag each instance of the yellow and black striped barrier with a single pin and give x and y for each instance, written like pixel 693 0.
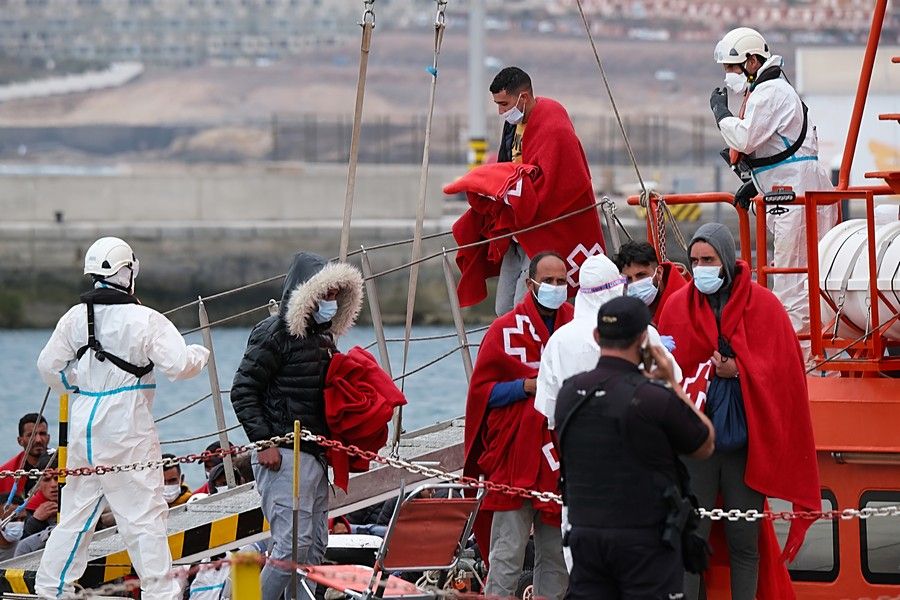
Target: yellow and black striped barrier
pixel 183 543
pixel 686 213
pixel 62 452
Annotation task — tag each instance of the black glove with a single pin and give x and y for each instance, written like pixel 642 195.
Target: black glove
pixel 718 102
pixel 745 195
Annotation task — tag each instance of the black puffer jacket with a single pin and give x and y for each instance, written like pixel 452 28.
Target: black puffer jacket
pixel 282 375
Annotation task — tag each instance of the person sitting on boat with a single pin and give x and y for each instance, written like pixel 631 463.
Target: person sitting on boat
pixel 742 361
pixel 33 429
pixel 175 490
pixel 649 280
pixel 541 174
pixel 772 142
pixel 508 441
pixel 281 379
pixel 621 431
pixel 42 508
pixel 103 352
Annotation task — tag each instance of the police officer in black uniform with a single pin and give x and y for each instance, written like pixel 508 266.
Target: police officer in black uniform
pixel 620 431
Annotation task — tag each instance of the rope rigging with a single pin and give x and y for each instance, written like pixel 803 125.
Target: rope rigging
pixel 657 229
pixel 367 24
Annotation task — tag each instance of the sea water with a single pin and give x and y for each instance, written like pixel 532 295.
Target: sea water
pixel 435 393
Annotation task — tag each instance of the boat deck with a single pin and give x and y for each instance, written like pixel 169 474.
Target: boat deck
pixel 233 518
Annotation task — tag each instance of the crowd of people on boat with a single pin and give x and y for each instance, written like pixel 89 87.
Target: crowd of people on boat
pixel 660 388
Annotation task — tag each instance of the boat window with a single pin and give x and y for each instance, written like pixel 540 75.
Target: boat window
pixel 818 559
pixel 880 540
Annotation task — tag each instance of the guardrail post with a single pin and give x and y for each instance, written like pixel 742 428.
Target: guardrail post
pixel 375 311
pixel 457 316
pixel 61 452
pixel 216 393
pixel 245 583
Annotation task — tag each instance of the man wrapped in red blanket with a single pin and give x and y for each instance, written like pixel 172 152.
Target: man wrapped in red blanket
pixel 652 281
pixel 726 326
pixel 509 442
pixel 541 174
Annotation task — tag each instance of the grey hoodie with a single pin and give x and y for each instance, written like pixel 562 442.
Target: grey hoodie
pixel 719 237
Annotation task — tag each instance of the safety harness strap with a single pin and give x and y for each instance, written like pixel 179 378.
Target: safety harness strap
pixel 94 344
pixel 767 161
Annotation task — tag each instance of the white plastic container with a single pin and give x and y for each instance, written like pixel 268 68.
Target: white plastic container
pixel 844 275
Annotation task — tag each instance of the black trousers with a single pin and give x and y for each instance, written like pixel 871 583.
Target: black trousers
pixel 623 564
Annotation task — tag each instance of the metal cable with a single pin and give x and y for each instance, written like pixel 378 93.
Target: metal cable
pixel 187 406
pixel 200 437
pixel 486 240
pixel 435 361
pixel 226 319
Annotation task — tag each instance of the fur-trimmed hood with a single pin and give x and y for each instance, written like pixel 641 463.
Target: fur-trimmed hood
pixel 308 280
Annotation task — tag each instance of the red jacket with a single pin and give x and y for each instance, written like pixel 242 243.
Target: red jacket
pixel 6 483
pixel 553 180
pixel 359 402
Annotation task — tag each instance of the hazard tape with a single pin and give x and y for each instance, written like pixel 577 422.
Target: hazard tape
pixel 195 540
pixel 686 213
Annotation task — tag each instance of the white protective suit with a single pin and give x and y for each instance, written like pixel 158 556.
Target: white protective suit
pixel 772 121
pixel 572 349
pixel 110 422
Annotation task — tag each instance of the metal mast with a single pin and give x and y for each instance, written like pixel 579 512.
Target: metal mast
pixel 477 84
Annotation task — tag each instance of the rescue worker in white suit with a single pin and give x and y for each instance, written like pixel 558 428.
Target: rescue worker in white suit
pixel 773 142
pixel 103 352
pixel 572 349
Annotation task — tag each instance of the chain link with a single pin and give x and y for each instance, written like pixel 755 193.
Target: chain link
pixel 716 514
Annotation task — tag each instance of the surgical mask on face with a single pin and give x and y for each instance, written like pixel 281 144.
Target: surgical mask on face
pixel 551 296
pixel 514 116
pixel 707 279
pixel 736 82
pixel 643 290
pixel 326 311
pixel 171 492
pixel 13 530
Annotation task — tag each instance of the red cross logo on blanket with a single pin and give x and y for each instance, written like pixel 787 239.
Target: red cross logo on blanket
pixel 515 191
pixel 577 251
pixel 516 341
pixel 695 386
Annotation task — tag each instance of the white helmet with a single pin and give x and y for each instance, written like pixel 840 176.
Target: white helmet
pixel 106 256
pixel 740 44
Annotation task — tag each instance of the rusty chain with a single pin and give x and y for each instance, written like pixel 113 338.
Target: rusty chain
pixel 716 514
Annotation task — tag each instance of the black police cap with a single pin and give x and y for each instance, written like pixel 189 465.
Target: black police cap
pixel 622 318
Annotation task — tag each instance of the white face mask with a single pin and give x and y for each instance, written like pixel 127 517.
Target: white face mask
pixel 171 492
pixel 514 116
pixel 551 296
pixel 13 530
pixel 644 290
pixel 736 82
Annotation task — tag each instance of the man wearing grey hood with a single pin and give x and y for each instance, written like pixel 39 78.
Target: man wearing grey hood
pixel 281 379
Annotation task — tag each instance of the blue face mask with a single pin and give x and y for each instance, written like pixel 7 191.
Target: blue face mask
pixel 326 311
pixel 551 296
pixel 707 279
pixel 643 290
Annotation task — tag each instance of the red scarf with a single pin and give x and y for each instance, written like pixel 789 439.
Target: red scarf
pixel 781 456
pixel 552 180
pixel 359 402
pixel 512 444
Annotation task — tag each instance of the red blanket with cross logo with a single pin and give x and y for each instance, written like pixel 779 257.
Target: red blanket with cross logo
pixel 553 180
pixel 512 444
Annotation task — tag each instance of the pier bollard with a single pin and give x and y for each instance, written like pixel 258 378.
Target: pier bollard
pixel 245 582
